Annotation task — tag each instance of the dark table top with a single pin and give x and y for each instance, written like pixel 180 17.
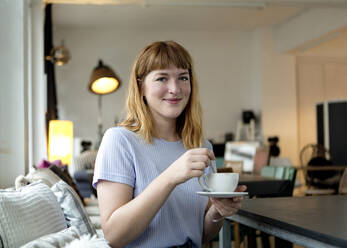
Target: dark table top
pixel 265 186
pixel 322 218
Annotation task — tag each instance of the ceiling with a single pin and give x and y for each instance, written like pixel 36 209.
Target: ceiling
pixel 207 15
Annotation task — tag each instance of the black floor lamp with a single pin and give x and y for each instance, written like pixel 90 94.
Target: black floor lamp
pixel 103 81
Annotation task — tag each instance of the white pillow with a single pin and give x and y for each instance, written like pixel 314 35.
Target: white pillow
pixel 28 213
pixel 54 240
pixel 73 208
pixel 87 242
pixel 46 175
pixel 96 221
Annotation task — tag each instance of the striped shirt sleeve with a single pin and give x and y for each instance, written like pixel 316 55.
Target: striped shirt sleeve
pixel 114 161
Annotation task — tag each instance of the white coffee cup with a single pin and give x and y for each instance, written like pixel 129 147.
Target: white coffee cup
pixel 219 182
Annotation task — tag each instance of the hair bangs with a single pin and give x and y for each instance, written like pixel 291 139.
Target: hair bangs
pixel 166 54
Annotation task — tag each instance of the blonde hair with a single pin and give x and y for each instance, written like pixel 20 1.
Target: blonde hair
pixel 160 55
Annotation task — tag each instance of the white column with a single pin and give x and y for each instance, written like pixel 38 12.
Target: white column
pixel 21 84
pixel 38 106
pixel 13 125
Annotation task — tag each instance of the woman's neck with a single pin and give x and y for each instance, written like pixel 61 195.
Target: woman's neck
pixel 166 130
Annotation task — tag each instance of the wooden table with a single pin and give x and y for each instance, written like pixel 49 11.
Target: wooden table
pixel 313 221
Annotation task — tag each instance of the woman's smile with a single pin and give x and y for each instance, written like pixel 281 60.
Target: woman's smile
pixel 172 100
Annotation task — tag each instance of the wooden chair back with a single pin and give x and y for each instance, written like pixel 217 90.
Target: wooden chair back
pixel 343 183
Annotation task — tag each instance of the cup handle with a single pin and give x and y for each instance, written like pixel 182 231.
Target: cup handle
pixel 203 184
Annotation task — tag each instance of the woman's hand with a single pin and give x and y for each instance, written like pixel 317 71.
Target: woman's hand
pixel 191 164
pixel 226 206
pixel 217 209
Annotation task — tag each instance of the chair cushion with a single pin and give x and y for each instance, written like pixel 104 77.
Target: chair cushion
pixel 54 240
pixel 28 213
pixel 73 208
pixel 62 173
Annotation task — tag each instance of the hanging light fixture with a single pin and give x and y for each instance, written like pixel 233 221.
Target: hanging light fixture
pixel 102 81
pixel 59 55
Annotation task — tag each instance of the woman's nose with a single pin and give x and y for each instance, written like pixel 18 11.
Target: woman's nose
pixel 174 87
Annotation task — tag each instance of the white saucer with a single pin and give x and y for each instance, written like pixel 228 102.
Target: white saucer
pixel 222 194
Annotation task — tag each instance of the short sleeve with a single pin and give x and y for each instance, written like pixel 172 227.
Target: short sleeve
pixel 114 161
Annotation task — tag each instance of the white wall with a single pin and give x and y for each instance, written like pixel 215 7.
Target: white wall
pixel 224 62
pixel 13 152
pixel 278 76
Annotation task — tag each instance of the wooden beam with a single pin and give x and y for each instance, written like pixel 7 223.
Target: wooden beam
pixel 96 2
pixel 211 3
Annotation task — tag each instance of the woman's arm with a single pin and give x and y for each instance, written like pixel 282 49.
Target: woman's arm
pixel 124 219
pixel 216 210
pixel 213 222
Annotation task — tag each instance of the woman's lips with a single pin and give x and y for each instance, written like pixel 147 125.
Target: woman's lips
pixel 173 100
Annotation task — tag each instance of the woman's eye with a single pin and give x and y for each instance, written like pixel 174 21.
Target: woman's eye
pixel 184 78
pixel 161 79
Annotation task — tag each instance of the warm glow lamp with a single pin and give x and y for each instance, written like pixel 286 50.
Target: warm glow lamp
pixel 60 141
pixel 102 81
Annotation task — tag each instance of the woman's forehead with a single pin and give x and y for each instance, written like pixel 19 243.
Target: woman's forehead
pixel 172 68
pixel 169 71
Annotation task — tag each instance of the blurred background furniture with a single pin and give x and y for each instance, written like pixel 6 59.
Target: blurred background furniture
pixel 343 183
pixel 245 130
pixel 84 171
pixel 236 166
pixel 281 172
pixel 242 151
pixel 323 180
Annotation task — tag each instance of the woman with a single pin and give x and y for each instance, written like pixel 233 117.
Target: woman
pixel 146 169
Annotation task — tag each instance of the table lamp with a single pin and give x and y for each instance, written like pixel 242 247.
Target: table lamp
pixel 102 81
pixel 60 141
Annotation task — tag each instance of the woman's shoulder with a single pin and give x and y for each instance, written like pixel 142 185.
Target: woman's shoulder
pixel 119 133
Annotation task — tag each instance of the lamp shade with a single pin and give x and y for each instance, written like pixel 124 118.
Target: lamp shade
pixel 103 80
pixel 60 141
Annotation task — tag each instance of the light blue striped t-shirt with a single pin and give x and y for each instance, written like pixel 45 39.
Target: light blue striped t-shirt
pixel 124 157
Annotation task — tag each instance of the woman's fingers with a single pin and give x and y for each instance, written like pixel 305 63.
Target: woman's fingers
pixel 237 199
pixel 223 211
pixel 197 166
pixel 203 151
pixel 196 173
pixel 241 188
pixel 227 202
pixel 226 206
pixel 201 158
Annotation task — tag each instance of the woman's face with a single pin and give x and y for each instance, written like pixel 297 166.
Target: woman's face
pixel 167 92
